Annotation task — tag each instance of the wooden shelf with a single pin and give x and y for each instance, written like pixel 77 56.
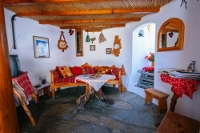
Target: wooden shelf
pixel 146 79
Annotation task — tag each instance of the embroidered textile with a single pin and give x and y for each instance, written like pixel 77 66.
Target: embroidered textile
pixel 23 81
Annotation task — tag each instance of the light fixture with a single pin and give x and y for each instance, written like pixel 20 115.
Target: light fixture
pixel 87 37
pixel 93 38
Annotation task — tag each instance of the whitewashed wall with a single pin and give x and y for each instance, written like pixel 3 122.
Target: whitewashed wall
pixel 25 29
pixel 176 59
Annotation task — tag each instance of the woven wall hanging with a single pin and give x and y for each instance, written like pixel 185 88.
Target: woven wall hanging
pixel 101 38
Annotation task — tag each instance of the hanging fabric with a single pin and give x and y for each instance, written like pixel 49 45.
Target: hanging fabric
pixel 101 38
pixel 87 38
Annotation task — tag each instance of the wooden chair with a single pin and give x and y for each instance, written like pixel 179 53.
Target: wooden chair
pixel 24 90
pixel 27 111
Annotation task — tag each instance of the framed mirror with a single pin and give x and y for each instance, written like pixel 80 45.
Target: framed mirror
pixel 171 35
pixel 79 42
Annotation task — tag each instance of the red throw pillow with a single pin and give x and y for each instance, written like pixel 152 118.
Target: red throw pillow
pixel 76 70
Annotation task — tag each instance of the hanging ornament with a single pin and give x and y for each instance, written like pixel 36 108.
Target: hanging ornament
pixel 71 32
pixel 93 38
pixel 117 46
pixel 87 38
pixel 148 27
pixel 62 44
pixel 101 38
pixel 171 34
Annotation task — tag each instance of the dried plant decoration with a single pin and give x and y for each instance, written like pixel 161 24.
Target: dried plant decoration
pixel 101 38
pixel 184 2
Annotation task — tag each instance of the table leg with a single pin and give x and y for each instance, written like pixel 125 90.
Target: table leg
pixel 172 105
pixel 99 94
pixel 47 90
pixel 173 102
pixel 83 99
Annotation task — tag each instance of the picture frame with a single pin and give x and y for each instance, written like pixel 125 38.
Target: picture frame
pixel 108 50
pixel 191 66
pixel 79 43
pixel 92 47
pixel 41 47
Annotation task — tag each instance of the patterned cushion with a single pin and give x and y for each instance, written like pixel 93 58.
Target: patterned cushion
pixel 76 70
pixel 89 70
pixel 25 83
pixel 115 72
pixel 96 68
pixel 70 79
pixel 56 74
pixel 103 70
pixel 65 71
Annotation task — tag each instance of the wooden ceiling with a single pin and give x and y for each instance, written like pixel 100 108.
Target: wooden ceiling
pixel 89 15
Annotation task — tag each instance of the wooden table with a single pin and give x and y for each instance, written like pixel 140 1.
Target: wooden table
pixel 180 86
pixel 93 87
pixel 176 123
pixel 45 87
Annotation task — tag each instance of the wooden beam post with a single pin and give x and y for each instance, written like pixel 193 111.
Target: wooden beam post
pixel 8 115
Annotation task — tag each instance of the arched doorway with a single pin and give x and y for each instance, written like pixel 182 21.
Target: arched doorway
pixel 143 42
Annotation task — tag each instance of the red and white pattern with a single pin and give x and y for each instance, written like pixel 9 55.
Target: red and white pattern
pixel 180 85
pixel 24 82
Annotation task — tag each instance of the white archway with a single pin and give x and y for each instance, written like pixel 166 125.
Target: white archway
pixel 141 47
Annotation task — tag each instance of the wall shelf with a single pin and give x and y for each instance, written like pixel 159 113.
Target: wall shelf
pixel 146 79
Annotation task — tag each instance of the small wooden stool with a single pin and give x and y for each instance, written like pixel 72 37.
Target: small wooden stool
pixel 160 96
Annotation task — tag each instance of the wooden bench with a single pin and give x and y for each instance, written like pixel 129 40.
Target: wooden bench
pixel 160 96
pixel 175 123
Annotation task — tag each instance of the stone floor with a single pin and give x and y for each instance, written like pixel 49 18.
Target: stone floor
pixel 128 114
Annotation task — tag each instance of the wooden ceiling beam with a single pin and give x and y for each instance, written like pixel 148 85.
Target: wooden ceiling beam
pixel 93 30
pixel 33 2
pixel 90 21
pixel 95 26
pixel 90 12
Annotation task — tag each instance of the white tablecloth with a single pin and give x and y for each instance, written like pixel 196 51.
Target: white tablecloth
pixel 95 83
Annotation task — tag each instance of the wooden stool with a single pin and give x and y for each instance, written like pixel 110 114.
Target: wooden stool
pixel 176 123
pixel 160 96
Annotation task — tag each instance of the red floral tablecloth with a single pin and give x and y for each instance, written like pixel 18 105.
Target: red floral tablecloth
pixel 181 86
